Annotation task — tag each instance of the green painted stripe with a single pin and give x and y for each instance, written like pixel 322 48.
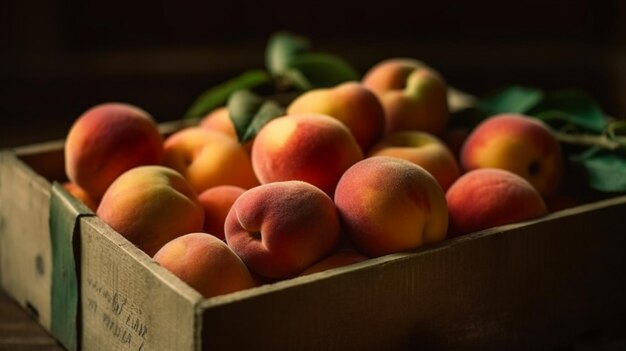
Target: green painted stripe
pixel 65 213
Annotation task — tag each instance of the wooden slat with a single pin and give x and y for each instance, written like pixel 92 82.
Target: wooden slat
pixel 129 302
pixel 25 252
pixel 527 286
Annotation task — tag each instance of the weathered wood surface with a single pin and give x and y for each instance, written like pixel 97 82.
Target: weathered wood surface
pixel 521 287
pixel 25 252
pixel 128 301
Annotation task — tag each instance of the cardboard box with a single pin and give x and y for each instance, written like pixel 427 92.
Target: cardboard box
pixel 532 285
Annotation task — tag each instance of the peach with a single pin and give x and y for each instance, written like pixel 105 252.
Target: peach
pixel 308 147
pixel 216 202
pixel 81 195
pixel 414 95
pixel 351 103
pixel 488 197
pixel 205 263
pixel 208 159
pixel 517 143
pixel 219 120
pixel 339 258
pixel 107 140
pixel 423 149
pixel 388 205
pixel 279 229
pixel 151 205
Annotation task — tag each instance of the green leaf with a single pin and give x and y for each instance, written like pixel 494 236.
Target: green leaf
pixel 249 113
pixel 292 64
pixel 574 107
pixel 606 170
pixel 281 49
pixel 556 119
pixel 218 95
pixel 324 70
pixel 294 77
pixel 514 99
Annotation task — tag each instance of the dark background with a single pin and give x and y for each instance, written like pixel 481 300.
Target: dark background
pixel 60 57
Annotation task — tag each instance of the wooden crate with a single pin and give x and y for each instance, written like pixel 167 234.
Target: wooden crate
pixel 532 285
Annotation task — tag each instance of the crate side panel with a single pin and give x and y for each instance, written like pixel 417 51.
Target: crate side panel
pixel 129 302
pixel 530 287
pixel 25 247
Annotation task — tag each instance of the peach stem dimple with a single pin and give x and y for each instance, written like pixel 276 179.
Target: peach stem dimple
pixel 256 236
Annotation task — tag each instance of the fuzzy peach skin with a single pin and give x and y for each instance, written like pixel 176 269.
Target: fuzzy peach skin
pixel 308 147
pixel 339 258
pixel 216 202
pixel 389 205
pixel 414 95
pixel 488 197
pixel 151 205
pixel 423 149
pixel 517 143
pixel 107 140
pixel 81 195
pixel 279 229
pixel 219 120
pixel 205 263
pixel 352 104
pixel 208 159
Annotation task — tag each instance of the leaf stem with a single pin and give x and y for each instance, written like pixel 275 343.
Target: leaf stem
pixel 591 140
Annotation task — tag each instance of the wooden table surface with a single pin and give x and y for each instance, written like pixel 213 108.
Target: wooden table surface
pixel 20 332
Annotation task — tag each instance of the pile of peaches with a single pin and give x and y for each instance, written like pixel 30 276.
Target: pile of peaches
pixel 358 170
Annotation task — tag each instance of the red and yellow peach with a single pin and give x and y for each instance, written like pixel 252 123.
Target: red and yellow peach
pixel 488 197
pixel 216 202
pixel 423 149
pixel 207 159
pixel 388 205
pixel 280 229
pixel 151 205
pixel 352 104
pixel 517 143
pixel 308 147
pixel 414 95
pixel 107 140
pixel 205 263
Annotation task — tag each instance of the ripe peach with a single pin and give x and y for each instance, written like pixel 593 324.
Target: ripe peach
pixel 219 120
pixel 388 205
pixel 520 144
pixel 208 158
pixel 488 197
pixel 205 263
pixel 279 229
pixel 414 95
pixel 216 202
pixel 423 149
pixel 351 103
pixel 81 195
pixel 107 140
pixel 308 147
pixel 151 205
pixel 339 258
